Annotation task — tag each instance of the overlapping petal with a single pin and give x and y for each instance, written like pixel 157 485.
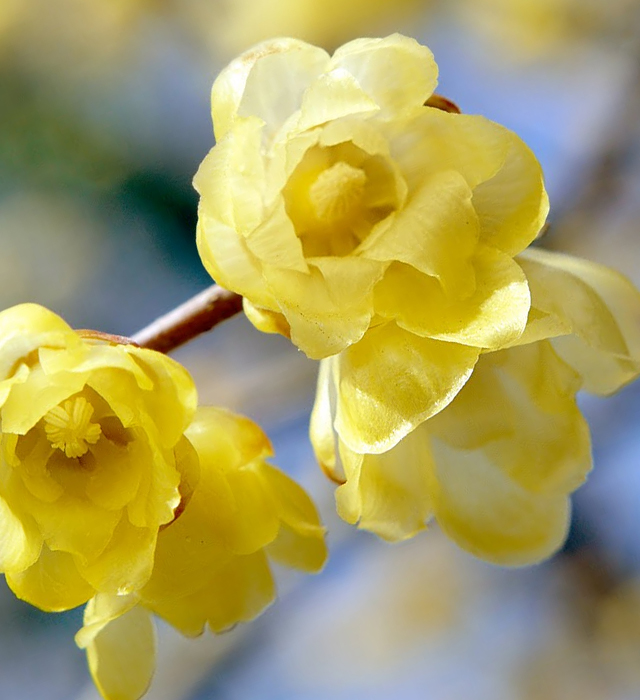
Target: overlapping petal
pixel 89 443
pixel 414 378
pixel 211 563
pixel 592 311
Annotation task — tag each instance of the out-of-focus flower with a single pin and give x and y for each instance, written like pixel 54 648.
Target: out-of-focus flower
pixel 91 456
pixel 357 220
pixel 530 29
pixel 212 562
pixel 328 23
pixel 495 468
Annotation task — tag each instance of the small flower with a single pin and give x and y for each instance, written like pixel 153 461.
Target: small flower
pixel 91 443
pixel 496 467
pixel 357 220
pixel 212 561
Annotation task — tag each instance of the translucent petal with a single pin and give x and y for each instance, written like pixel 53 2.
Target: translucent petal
pixel 93 357
pixel 256 521
pixel 513 205
pixel 519 407
pixel 53 583
pixel 238 592
pixel 241 271
pixel 70 524
pixel 122 656
pixel 225 439
pixel 429 141
pixel 278 80
pixel 329 308
pixel 600 307
pixel 436 232
pixel 274 241
pixel 391 381
pixel 126 563
pixel 494 316
pixel 334 95
pixel 273 91
pixel 99 612
pixel 390 493
pixel 158 492
pixel 411 81
pixel 39 393
pixel 290 548
pixel 25 327
pixel 231 179
pixel 490 515
pixel 293 505
pixel 115 478
pixel 321 432
pixel 20 541
pixel 172 399
pixel 265 320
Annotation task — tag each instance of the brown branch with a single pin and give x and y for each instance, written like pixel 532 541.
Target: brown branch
pixel 196 316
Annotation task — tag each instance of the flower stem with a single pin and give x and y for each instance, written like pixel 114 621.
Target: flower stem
pixel 196 316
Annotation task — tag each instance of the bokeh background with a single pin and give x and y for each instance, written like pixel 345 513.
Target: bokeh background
pixel 104 118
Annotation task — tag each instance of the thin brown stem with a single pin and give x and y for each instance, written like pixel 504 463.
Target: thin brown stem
pixel 196 316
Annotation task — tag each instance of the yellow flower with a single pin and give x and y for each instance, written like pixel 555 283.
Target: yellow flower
pixel 212 561
pixel 357 220
pixel 495 468
pixel 91 448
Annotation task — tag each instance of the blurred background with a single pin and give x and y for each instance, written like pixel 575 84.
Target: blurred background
pixel 104 119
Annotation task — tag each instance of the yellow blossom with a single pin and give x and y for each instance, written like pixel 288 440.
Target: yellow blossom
pixel 495 468
pixel 357 220
pixel 91 456
pixel 212 561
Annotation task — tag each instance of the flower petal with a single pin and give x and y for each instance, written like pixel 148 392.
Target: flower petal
pixel 241 271
pixel 333 95
pixel 122 655
pixel 53 583
pixel 293 505
pixel 26 327
pixel 389 493
pixel 20 541
pixel 267 80
pixel 265 320
pixel 321 432
pixel 126 563
pixel 338 295
pixel 490 515
pixel 413 79
pixel 519 407
pixel 391 381
pixel 494 316
pixel 436 233
pixel 513 205
pixel 237 592
pixel 599 306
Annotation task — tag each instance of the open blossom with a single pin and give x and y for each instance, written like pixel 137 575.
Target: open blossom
pixel 357 220
pixel 91 452
pixel 495 468
pixel 212 561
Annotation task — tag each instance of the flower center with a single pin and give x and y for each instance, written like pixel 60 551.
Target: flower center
pixel 337 191
pixel 69 427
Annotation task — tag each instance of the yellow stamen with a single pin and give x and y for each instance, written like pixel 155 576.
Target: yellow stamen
pixel 69 427
pixel 336 191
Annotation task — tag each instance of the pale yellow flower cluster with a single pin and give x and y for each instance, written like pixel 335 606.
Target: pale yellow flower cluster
pixel 390 240
pixel 115 489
